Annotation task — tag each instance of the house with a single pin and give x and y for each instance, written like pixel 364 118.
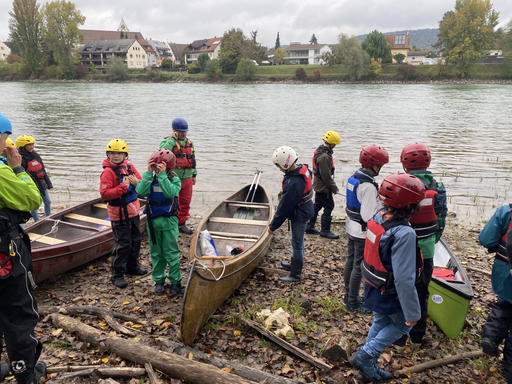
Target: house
pixel 399 44
pixel 417 57
pixel 177 52
pixel 306 53
pixel 209 46
pixel 150 53
pixel 122 30
pixel 4 51
pixel 98 52
pixel 495 51
pixel 162 51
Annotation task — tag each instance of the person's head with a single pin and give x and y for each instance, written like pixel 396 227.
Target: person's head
pixel 373 158
pixel 117 151
pixel 8 143
pixel 180 126
pixel 285 158
pixel 415 156
pixel 5 130
pixel 401 194
pixel 331 139
pixel 164 156
pixel 25 142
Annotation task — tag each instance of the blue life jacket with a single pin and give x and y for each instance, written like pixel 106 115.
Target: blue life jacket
pixel 127 197
pixel 353 208
pixel 159 205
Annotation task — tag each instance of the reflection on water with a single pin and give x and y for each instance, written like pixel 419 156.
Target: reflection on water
pixel 235 129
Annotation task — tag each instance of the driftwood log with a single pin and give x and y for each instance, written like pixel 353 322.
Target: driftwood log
pixel 105 314
pixel 436 363
pixel 117 372
pixel 290 348
pixel 478 270
pixel 172 365
pixel 238 369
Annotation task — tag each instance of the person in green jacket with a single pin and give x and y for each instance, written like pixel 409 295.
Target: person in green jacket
pixel 18 308
pixel 429 226
pixel 162 187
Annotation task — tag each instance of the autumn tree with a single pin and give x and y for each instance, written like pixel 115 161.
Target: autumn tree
pixel 376 45
pixel 279 55
pixel 313 40
pixel 236 46
pixel 59 30
pixel 24 31
pixel 466 33
pixel 355 59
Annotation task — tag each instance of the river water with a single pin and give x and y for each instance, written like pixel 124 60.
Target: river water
pixel 236 128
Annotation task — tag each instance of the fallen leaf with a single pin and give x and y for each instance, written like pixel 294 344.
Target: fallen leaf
pixel 136 326
pixel 287 369
pixel 237 333
pixel 126 303
pixel 226 369
pixel 105 360
pixel 136 308
pixel 190 356
pixel 57 332
pixel 102 324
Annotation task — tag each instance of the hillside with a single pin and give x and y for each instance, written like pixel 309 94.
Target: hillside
pixel 420 38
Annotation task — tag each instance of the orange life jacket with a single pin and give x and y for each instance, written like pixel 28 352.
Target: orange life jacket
pixel 425 221
pixel 185 156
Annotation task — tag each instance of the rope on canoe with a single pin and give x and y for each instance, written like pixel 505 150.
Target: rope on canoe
pixel 54 230
pixel 205 268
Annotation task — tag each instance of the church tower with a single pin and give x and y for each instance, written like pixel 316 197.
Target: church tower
pixel 122 26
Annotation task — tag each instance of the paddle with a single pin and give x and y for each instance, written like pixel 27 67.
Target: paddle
pixel 248 213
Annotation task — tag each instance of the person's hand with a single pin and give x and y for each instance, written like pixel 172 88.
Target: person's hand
pixel 126 181
pixel 160 168
pixel 133 180
pixel 13 157
pixel 410 323
pixel 193 181
pixel 151 166
pixel 270 232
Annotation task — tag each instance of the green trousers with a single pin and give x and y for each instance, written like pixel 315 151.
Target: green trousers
pixel 166 252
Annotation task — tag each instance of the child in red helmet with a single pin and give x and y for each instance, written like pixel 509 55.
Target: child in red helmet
pixel 429 225
pixel 362 204
pixel 162 187
pixel 391 267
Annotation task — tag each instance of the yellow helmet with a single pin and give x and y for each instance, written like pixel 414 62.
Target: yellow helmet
pixel 9 143
pixel 117 145
pixel 23 140
pixel 331 137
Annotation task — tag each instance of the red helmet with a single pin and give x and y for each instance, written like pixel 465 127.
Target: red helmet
pixel 415 155
pixel 373 155
pixel 401 189
pixel 166 156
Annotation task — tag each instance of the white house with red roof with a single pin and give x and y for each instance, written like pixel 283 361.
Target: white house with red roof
pixel 306 53
pixel 197 47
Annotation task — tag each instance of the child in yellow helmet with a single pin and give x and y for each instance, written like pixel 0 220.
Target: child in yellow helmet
pixel 3 156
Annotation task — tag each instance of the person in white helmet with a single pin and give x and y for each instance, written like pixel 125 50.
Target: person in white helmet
pixel 295 205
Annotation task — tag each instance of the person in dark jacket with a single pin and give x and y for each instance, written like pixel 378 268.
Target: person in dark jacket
pixel 295 205
pixel 34 166
pixel 324 185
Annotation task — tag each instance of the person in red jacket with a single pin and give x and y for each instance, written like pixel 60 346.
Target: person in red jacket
pixel 118 181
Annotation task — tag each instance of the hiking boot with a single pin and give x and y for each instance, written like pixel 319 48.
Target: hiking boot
pixel 295 271
pixel 159 288
pixel 489 347
pixel 39 372
pixel 310 227
pixel 325 221
pixel 120 282
pixel 369 370
pixel 4 371
pixel 184 229
pixel 286 265
pixel 359 308
pixel 176 288
pixel 138 272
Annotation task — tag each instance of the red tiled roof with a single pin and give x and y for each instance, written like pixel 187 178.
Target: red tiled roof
pixel 147 47
pixel 91 34
pixel 211 44
pixel 392 38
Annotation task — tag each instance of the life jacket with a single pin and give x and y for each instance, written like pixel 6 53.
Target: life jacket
pixel 373 269
pixel 307 194
pixel 501 253
pixel 10 229
pixel 127 197
pixel 185 156
pixel 159 205
pixel 425 221
pixel 35 169
pixel 319 150
pixel 353 208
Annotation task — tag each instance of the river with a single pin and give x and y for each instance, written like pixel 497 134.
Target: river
pixel 236 128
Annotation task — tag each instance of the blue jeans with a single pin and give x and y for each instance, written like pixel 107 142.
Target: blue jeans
pixel 47 206
pixel 384 331
pixel 298 230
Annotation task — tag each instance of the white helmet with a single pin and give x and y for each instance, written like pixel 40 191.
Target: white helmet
pixel 285 157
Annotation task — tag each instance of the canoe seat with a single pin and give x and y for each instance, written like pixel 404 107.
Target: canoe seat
pixel 100 205
pixel 229 220
pixel 88 219
pixel 231 234
pixel 45 239
pixel 246 205
pixel 233 238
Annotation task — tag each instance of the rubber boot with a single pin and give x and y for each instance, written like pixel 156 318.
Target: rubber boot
pixel 295 273
pixel 370 371
pixel 326 228
pixel 310 228
pixel 39 372
pixel 4 371
pixel 184 229
pixel 286 265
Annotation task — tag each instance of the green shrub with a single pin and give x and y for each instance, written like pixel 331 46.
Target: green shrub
pixel 92 68
pixel 117 69
pixel 245 70
pixel 79 71
pixel 399 58
pixel 52 72
pixel 166 63
pixel 300 74
pixel 202 60
pixel 213 70
pixel 407 72
pixel 374 69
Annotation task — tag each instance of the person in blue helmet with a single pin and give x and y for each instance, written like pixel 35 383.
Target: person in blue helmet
pixel 18 308
pixel 183 150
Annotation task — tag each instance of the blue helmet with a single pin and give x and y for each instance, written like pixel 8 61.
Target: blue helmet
pixel 179 124
pixel 5 125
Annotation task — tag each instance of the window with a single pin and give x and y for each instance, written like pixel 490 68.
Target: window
pixel 131 56
pixel 399 39
pixel 131 62
pixel 143 56
pixel 317 51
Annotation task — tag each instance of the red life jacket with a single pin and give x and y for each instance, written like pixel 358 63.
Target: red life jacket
pixel 373 270
pixel 35 169
pixel 501 253
pixel 185 156
pixel 425 221
pixel 307 194
pixel 322 149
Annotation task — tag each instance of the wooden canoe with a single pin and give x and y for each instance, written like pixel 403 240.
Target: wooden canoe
pixel 450 291
pixel 80 234
pixel 211 282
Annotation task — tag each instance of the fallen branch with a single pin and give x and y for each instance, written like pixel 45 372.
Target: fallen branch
pixel 117 372
pixel 153 378
pixel 106 315
pixel 478 270
pixel 238 369
pixel 436 363
pixel 296 351
pixel 172 365
pixel 91 311
pixel 71 368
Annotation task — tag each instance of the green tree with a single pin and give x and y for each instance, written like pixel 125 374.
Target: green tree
pixel 278 42
pixel 399 58
pixel 213 69
pixel 506 45
pixel 376 45
pixel 117 69
pixel 279 55
pixel 330 58
pixel 24 31
pixel 59 29
pixel 313 40
pixel 166 63
pixel 201 61
pixel 246 70
pixel 236 46
pixel 121 35
pixel 349 51
pixel 467 33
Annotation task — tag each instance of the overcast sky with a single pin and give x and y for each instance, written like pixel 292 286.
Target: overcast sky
pixel 185 21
